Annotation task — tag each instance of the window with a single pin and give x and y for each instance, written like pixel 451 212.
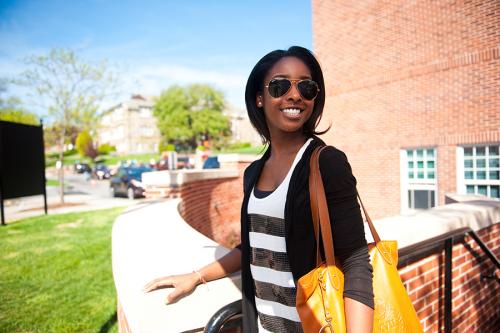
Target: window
pixel 418 179
pixel 478 170
pixel 145 112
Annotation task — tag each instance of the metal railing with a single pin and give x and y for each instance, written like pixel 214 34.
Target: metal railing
pixel 406 255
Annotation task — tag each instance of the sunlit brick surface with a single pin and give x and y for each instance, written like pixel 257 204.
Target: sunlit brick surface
pixel 406 74
pixel 475 301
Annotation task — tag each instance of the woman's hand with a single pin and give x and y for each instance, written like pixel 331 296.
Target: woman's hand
pixel 183 285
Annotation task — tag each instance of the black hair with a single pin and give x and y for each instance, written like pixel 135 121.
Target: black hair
pixel 255 85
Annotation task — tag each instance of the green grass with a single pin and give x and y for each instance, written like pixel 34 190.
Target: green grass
pixel 52 182
pixel 245 150
pixel 113 160
pixel 55 273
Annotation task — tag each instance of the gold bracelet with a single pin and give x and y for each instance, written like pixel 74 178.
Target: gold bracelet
pixel 202 280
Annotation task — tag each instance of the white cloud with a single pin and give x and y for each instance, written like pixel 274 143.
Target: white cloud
pixel 151 79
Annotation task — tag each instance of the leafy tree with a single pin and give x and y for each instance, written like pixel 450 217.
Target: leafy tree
pixel 85 145
pixel 189 115
pixel 71 89
pixel 11 109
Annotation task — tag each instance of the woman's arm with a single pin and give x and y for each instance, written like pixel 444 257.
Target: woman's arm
pixel 358 316
pixel 186 283
pixel 349 239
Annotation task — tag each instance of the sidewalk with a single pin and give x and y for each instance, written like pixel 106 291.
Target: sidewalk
pixel 20 208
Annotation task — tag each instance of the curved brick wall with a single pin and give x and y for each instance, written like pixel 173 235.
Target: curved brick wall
pixel 213 207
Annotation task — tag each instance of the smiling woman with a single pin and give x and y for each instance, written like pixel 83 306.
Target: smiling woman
pixel 285 95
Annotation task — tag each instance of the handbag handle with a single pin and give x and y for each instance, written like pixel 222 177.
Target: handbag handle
pixel 319 211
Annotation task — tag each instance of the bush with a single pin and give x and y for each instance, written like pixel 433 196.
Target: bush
pixel 105 149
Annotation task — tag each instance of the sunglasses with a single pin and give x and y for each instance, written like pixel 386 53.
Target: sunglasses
pixel 307 88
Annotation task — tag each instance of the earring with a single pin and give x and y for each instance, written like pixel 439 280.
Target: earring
pixel 259 104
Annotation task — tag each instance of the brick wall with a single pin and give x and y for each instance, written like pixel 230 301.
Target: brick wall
pixel 213 207
pixel 406 74
pixel 475 301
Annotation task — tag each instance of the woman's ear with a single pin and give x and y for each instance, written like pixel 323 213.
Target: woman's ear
pixel 258 101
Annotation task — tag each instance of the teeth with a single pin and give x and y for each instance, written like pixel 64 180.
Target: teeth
pixel 292 111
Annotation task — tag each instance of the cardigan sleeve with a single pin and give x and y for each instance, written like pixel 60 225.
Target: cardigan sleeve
pixel 347 225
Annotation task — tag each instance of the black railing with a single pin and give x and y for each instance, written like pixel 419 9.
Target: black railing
pixel 407 255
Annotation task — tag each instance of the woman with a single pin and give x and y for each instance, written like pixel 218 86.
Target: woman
pixel 285 95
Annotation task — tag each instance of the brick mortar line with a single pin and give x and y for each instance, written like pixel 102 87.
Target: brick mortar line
pixel 401 74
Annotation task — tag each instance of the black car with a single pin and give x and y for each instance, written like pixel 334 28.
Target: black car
pixel 82 167
pixel 101 171
pixel 127 182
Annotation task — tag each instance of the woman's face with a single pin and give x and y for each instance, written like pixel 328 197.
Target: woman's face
pixel 289 112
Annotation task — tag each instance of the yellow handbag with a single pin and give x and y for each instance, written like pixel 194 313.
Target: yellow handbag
pixel 320 300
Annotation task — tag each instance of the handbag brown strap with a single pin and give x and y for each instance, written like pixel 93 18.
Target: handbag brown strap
pixel 319 210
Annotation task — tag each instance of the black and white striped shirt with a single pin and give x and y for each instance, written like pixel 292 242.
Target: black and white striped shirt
pixel 275 288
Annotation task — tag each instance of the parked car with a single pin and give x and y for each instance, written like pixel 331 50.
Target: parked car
pixel 101 171
pixel 127 182
pixel 211 162
pixel 81 167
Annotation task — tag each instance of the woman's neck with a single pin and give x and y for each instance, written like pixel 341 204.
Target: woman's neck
pixel 286 144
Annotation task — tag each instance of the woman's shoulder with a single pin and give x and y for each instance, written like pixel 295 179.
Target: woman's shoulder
pixel 332 156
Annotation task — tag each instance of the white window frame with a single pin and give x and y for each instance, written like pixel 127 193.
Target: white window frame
pixel 408 184
pixel 462 182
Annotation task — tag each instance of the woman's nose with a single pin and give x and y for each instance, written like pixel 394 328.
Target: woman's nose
pixel 293 93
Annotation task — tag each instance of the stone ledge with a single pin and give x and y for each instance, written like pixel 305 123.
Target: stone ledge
pixel 473 212
pixel 174 178
pixel 153 241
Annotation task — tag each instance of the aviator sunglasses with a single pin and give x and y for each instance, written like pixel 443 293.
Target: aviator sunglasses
pixel 307 88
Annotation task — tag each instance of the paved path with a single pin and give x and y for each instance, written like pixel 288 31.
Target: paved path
pixel 80 195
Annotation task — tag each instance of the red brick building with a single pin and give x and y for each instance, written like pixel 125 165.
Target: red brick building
pixel 413 96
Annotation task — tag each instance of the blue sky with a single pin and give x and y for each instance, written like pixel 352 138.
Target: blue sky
pixel 155 44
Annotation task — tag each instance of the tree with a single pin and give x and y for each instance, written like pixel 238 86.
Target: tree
pixel 11 109
pixel 85 145
pixel 71 89
pixel 189 115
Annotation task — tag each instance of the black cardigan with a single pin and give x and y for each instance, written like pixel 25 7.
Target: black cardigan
pixel 345 217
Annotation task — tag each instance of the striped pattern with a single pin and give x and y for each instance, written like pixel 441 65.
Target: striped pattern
pixel 275 290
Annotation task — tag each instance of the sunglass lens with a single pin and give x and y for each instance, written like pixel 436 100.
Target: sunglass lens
pixel 308 89
pixel 278 87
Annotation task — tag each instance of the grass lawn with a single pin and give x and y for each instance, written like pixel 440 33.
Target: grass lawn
pixel 52 182
pixel 55 273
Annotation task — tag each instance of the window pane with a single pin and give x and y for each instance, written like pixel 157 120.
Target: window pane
pixel 421 199
pixel 420 153
pixel 493 150
pixel 470 189
pixel 468 175
pixel 411 175
pixel 430 152
pixel 420 175
pixel 494 175
pixel 430 164
pixel 482 189
pixel 494 162
pixel 468 151
pixel 420 164
pixel 430 174
pixel 409 153
pixel 480 151
pixel 410 165
pixel 480 174
pixel 431 193
pixel 468 163
pixel 481 163
pixel 495 191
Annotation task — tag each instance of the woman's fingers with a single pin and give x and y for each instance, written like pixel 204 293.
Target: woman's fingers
pixel 165 281
pixel 174 295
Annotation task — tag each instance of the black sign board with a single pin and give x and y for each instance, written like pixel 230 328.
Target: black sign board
pixel 22 161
